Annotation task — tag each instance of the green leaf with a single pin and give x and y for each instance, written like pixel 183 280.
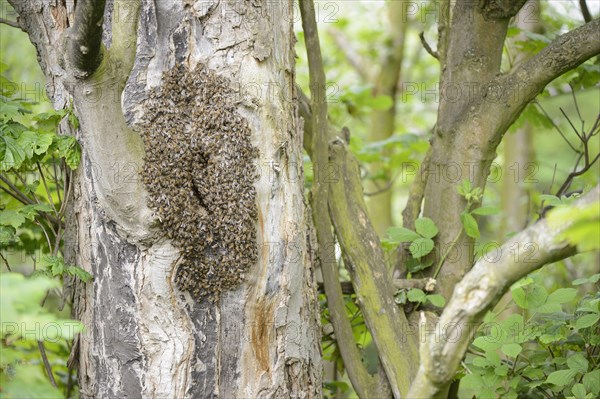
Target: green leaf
pixel 7 233
pixel 551 200
pixel 592 279
pixel 522 283
pixel 416 295
pixel 591 381
pixel 562 295
pixel 487 343
pixel 561 377
pixel 486 210
pixel 578 391
pixel 511 350
pixel 12 218
pixel 9 110
pixel 578 363
pixel 465 187
pixel 34 143
pixel 551 338
pixel 69 149
pixel 530 296
pixel 426 227
pixel 421 247
pixel 401 234
pixel 470 225
pixel 587 320
pixel 54 264
pixel 31 211
pixel 11 154
pixel 400 298
pixel 437 300
pixel 416 265
pixel 73 120
pixel 79 272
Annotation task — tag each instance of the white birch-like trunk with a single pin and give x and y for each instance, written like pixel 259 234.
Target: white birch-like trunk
pixel 142 340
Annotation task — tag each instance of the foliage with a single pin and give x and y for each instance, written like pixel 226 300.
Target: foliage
pixel 25 323
pixel 545 350
pixel 421 242
pixel 331 351
pixel 584 228
pixel 35 163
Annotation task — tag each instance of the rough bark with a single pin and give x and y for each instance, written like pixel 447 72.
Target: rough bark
pixel 144 338
pixel 370 278
pixel 477 105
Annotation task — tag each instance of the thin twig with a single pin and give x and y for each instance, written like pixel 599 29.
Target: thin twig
pixel 5 262
pixel 69 187
pixel 50 199
pixel 10 23
pixel 554 125
pixel 46 234
pixel 46 363
pixel 577 107
pixel 36 199
pixel 387 186
pixel 56 180
pixel 570 123
pixel 18 195
pixel 427 47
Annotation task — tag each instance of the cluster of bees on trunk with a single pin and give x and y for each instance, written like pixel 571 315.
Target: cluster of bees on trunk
pixel 200 178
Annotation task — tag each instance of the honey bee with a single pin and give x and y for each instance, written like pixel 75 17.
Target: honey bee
pixel 197 150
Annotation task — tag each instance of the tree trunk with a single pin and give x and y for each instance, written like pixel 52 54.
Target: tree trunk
pixel 383 121
pixel 145 337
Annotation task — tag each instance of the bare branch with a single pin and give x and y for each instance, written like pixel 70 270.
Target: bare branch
pixel 564 53
pixel 427 47
pixel 13 24
pixel 366 265
pixel 47 365
pixel 425 284
pixel 84 39
pixel 587 16
pixel 478 291
pixel 364 383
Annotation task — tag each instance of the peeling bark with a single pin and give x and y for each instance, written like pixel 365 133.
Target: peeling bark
pixel 143 337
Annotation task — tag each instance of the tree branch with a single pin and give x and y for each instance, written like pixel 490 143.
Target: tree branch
pixel 84 39
pixel 364 383
pixel 13 24
pixel 425 284
pixel 521 86
pixel 587 16
pixel 478 291
pixel 366 265
pixel 427 47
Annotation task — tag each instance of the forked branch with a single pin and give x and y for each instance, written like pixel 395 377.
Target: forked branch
pixel 480 290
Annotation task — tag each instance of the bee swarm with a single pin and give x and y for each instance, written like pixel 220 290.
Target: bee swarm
pixel 200 178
